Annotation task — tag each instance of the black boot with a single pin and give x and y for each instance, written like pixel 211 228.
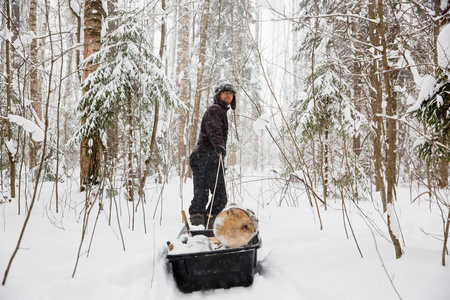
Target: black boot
pixel 197 219
pixel 211 221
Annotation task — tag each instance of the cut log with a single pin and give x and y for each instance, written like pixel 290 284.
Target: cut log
pixel 235 227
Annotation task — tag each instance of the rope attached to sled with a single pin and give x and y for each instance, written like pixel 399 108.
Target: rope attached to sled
pixel 215 186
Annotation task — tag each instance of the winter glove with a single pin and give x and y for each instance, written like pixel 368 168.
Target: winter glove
pixel 220 150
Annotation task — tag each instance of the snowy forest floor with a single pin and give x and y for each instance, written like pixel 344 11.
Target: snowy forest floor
pixel 298 260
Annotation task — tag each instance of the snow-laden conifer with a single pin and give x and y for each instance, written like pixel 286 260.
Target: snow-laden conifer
pixel 433 106
pixel 126 67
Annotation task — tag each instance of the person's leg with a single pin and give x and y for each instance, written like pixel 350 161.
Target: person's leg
pixel 201 189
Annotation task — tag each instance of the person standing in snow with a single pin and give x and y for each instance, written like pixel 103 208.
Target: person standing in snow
pixel 208 151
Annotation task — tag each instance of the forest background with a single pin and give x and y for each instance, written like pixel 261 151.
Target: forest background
pixel 351 99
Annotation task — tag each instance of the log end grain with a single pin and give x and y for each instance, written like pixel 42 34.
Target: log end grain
pixel 235 227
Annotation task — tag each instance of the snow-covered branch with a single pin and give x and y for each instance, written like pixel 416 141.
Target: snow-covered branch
pixel 297 19
pixel 417 130
pixel 37 134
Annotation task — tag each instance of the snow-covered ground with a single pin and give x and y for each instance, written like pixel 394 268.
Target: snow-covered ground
pixel 298 260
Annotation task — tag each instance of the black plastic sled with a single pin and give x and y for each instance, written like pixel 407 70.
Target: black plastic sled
pixel 220 268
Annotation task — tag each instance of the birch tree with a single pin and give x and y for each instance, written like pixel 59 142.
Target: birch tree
pixel 182 80
pixel 200 72
pixel 35 82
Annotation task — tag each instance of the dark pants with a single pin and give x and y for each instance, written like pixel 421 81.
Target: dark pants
pixel 204 167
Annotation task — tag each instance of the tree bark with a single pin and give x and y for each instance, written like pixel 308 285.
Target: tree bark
pixel 356 27
pixel 130 182
pixel 91 145
pixel 36 183
pixel 202 58
pixel 15 20
pixel 313 86
pixel 78 39
pixel 156 117
pixel 35 86
pixel 325 164
pixel 112 133
pixel 443 164
pixel 9 135
pixel 58 109
pixel 237 55
pixel 445 250
pixel 182 81
pixel 443 170
pixel 162 46
pixel 376 95
pixel 391 157
pixel 112 12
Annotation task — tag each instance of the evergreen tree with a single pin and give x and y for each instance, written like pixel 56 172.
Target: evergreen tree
pixel 433 110
pixel 128 77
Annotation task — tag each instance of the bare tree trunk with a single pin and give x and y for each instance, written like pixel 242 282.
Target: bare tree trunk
pixel 112 133
pixel 182 81
pixel 35 192
pixel 443 164
pixel 3 112
pixel 2 140
pixel 35 87
pixel 357 75
pixel 58 133
pixel 162 47
pixel 15 20
pixel 67 95
pixel 376 95
pixel 445 250
pixel 9 135
pixel 391 157
pixel 237 54
pixel 321 162
pixel 443 170
pixel 325 165
pixel 258 160
pixel 130 183
pixel 392 74
pixel 78 39
pixel 239 63
pixel 156 117
pixel 202 58
pixel 91 146
pixel 112 12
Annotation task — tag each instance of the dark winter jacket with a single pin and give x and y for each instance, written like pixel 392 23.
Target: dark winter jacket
pixel 214 128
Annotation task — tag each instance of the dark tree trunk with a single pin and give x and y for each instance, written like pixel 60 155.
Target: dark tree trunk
pixel 9 135
pixel 91 145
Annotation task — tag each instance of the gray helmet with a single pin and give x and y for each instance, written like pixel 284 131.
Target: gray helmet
pixel 225 87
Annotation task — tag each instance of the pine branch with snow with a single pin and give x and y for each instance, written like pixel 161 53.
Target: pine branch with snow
pixel 433 109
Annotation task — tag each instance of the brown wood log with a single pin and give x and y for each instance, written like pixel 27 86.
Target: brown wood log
pixel 235 227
